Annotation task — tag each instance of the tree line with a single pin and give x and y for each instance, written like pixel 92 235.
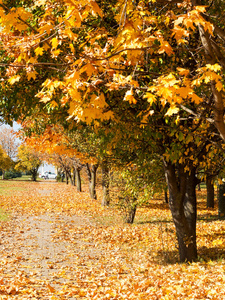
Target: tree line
pixel 137 85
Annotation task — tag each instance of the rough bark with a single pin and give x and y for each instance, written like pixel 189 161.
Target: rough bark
pixel 67 178
pixel 217 95
pixel 130 212
pixel 34 174
pixel 91 172
pixel 221 201
pixel 210 192
pixel 182 202
pixel 105 184
pixel 78 179
pixel 166 196
pixel 74 176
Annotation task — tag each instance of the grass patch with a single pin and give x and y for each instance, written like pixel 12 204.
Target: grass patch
pixel 3 216
pixel 23 178
pixel 9 187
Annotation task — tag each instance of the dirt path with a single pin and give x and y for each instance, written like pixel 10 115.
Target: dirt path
pixel 50 254
pixel 36 253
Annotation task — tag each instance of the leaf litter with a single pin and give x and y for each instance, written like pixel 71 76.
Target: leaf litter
pixel 59 244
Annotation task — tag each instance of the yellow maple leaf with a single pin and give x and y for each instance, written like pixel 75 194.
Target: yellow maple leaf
pixel 47 27
pixel 54 42
pixel 129 97
pixel 183 72
pixel 196 99
pixel 39 51
pixel 89 69
pixel 219 86
pixel 72 48
pixel 150 98
pixel 14 79
pixel 184 91
pixel 56 53
pixel 165 47
pixel 53 103
pixel 31 75
pixel 215 67
pixel 96 9
pixel 201 8
pixel 172 110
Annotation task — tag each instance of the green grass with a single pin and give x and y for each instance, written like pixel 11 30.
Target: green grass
pixel 3 216
pixel 8 187
pixel 23 178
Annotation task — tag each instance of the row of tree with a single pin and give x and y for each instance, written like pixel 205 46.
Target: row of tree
pixel 133 85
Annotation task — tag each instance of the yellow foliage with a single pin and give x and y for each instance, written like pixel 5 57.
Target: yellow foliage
pixel 39 51
pixel 14 79
pixel 129 97
pixel 172 110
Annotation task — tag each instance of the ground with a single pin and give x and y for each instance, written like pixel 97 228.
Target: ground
pixel 58 244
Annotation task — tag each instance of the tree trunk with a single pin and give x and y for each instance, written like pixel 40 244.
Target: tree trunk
pixel 182 202
pixel 70 177
pixel 130 214
pixel 91 172
pixel 166 196
pixel 34 175
pixel 74 176
pixel 221 201
pixel 210 192
pixel 105 184
pixel 78 179
pixel 218 98
pixel 67 178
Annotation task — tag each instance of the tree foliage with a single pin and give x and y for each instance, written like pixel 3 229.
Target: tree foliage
pixel 131 69
pixel 29 160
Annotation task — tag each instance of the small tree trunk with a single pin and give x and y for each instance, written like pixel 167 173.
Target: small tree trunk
pixel 131 207
pixel 105 184
pixel 166 196
pixel 78 179
pixel 92 180
pixel 70 177
pixel 221 201
pixel 67 178
pixel 34 175
pixel 210 192
pixel 131 215
pixel 74 176
pixel 182 202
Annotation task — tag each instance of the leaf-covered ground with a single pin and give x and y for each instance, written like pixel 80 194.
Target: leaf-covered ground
pixel 58 244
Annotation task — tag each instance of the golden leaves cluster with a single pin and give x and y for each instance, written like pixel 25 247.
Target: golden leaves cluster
pixel 100 67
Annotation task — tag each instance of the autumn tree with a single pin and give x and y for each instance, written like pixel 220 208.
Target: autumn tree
pixel 133 63
pixel 9 141
pixel 5 161
pixel 28 160
pixel 9 146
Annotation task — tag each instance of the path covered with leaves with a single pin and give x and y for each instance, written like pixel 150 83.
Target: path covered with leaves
pixel 59 244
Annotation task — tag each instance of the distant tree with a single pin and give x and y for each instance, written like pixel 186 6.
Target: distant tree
pixel 29 160
pixel 9 145
pixel 5 161
pixel 8 141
